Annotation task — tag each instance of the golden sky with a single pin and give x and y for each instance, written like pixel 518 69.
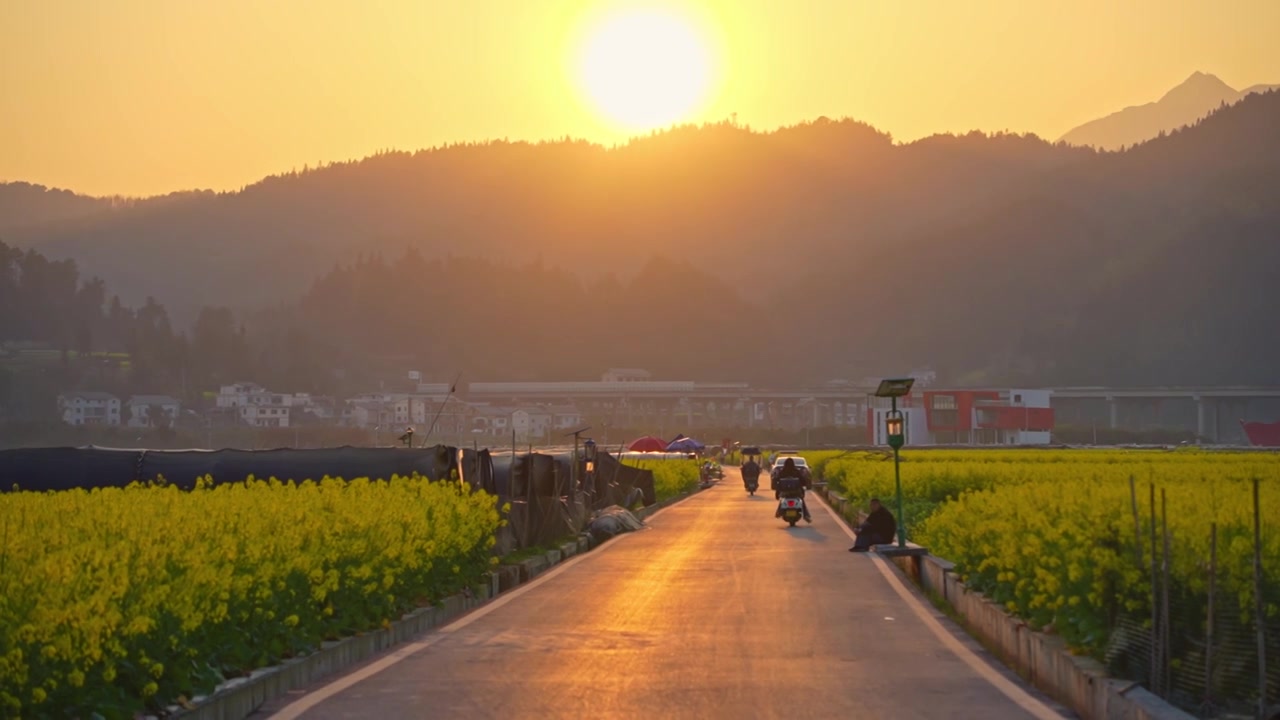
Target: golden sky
pixel 141 97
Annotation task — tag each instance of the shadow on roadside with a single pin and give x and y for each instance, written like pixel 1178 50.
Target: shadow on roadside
pixel 804 531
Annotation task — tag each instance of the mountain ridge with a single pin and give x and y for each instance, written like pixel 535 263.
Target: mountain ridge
pixel 1181 105
pixel 997 258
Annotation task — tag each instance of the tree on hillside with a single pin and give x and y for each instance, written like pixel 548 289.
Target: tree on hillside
pixel 220 353
pixel 88 314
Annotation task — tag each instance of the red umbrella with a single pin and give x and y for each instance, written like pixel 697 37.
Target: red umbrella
pixel 648 443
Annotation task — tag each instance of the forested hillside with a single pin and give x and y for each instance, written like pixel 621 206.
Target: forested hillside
pixel 993 258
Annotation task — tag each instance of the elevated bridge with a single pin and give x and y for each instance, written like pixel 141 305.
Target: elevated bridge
pixel 689 404
pixel 1213 411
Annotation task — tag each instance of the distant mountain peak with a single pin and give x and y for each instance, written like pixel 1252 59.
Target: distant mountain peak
pixel 1200 85
pixel 1192 99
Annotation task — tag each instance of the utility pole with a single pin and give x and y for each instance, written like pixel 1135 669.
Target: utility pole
pixel 452 388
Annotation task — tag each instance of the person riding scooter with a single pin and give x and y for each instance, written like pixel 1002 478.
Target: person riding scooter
pixel 751 474
pixel 790 483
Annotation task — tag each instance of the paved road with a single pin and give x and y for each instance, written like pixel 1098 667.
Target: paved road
pixel 716 611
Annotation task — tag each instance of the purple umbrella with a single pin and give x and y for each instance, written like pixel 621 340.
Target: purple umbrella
pixel 685 444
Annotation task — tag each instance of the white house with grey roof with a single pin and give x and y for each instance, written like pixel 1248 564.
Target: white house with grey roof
pixel 153 411
pixel 89 408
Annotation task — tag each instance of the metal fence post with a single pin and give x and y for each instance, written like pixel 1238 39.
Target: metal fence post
pixel 1155 601
pixel 1166 679
pixel 1259 607
pixel 1208 643
pixel 1137 525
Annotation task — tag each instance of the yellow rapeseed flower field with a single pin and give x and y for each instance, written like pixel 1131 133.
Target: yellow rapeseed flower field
pixel 118 600
pixel 818 459
pixel 1051 535
pixel 670 477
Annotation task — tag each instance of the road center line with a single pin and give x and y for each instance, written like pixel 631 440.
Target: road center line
pixel 1025 700
pixel 295 709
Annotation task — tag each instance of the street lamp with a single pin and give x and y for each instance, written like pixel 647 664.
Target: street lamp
pixel 893 428
pixel 589 453
pixel 576 434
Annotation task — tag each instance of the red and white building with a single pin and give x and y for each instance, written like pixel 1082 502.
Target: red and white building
pixel 968 417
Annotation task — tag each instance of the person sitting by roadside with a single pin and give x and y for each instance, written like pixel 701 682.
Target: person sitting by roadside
pixel 790 483
pixel 878 529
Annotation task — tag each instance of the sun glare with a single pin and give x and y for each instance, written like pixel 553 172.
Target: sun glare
pixel 645 68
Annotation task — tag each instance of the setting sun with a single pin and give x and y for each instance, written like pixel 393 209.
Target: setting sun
pixel 645 68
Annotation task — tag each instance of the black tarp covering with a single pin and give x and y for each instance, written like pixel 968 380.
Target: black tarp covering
pixel 544 504
pixel 66 468
pixel 41 469
pixel 503 480
pixel 183 468
pixel 475 467
pixel 555 510
pixel 615 482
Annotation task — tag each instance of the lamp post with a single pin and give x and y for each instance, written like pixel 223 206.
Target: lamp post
pixel 894 434
pixel 576 434
pixel 589 454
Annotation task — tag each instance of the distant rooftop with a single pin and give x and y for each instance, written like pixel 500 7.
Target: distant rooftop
pixel 152 400
pixel 602 386
pixel 628 375
pixel 90 395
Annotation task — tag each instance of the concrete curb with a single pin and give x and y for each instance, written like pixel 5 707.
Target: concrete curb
pixel 239 698
pixel 1042 660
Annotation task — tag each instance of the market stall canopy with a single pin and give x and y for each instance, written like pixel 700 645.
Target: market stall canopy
pixel 648 443
pixel 685 444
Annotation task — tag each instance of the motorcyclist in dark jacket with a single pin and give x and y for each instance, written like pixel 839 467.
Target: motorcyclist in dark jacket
pixel 789 469
pixel 790 483
pixel 750 471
